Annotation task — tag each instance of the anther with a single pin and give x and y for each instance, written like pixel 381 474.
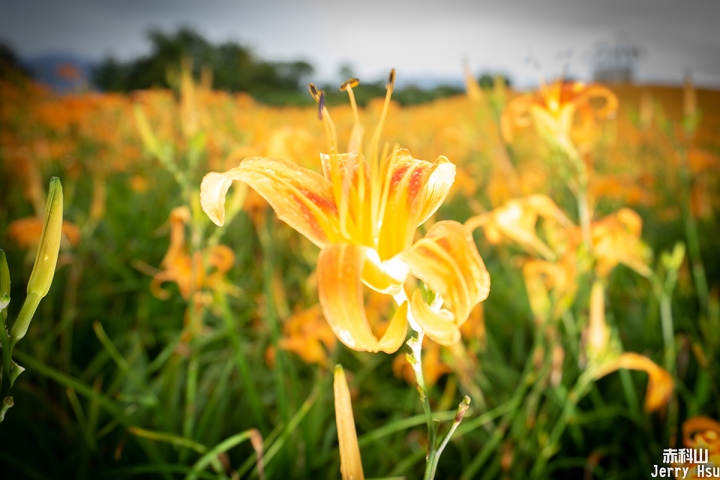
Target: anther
pixel 391 80
pixel 314 92
pixel 352 83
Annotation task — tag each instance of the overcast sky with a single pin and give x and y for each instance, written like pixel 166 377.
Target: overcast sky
pixel 419 38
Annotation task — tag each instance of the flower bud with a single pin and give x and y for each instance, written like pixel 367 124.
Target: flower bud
pixel 4 285
pixel 45 260
pixel 350 462
pixel 47 254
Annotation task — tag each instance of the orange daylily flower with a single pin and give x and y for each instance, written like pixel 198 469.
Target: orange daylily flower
pixel 702 433
pixel 26 232
pixel 552 109
pixel 517 221
pixel 616 239
pixel 660 382
pixel 179 265
pixel 363 215
pixel 551 287
pixel 305 333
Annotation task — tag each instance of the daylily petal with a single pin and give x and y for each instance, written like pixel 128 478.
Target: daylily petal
pixel 300 197
pixel 340 268
pixel 437 324
pixel 616 239
pixel 517 220
pixel 599 91
pixel 415 189
pixel 691 426
pixel 447 260
pixel 350 461
pixel 660 382
pixel 384 277
pixel 436 188
pixel 396 332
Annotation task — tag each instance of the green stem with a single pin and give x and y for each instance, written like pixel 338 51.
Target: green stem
pixel 6 361
pixel 415 360
pixel 462 408
pixel 693 238
pixel 668 332
pixel 22 322
pixel 416 346
pixel 584 214
pixel 581 388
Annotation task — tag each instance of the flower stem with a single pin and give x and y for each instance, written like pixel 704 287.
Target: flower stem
pixel 576 394
pixel 691 232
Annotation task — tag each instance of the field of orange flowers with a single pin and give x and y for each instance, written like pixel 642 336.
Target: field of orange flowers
pixel 538 298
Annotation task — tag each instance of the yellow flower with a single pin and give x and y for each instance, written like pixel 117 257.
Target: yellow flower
pixel 363 214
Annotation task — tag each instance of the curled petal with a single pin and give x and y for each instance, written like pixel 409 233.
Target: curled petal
pixel 396 332
pixel 213 189
pixel 340 268
pixel 222 258
pixel 350 461
pixel 300 197
pixel 515 116
pixel 660 382
pixel 609 109
pixel 412 190
pixel 447 260
pixel 695 425
pixel 437 324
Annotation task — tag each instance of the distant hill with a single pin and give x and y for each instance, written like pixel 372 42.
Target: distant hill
pixel 61 72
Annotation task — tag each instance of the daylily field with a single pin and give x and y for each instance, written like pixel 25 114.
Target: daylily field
pixel 516 284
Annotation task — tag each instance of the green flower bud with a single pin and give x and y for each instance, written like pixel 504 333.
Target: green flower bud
pixel 45 260
pixel 47 254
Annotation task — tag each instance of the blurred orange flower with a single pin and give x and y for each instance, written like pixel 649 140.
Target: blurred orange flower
pixel 305 333
pixel 26 232
pixel 179 265
pixel 701 433
pixel 552 109
pixel 616 239
pixel 517 221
